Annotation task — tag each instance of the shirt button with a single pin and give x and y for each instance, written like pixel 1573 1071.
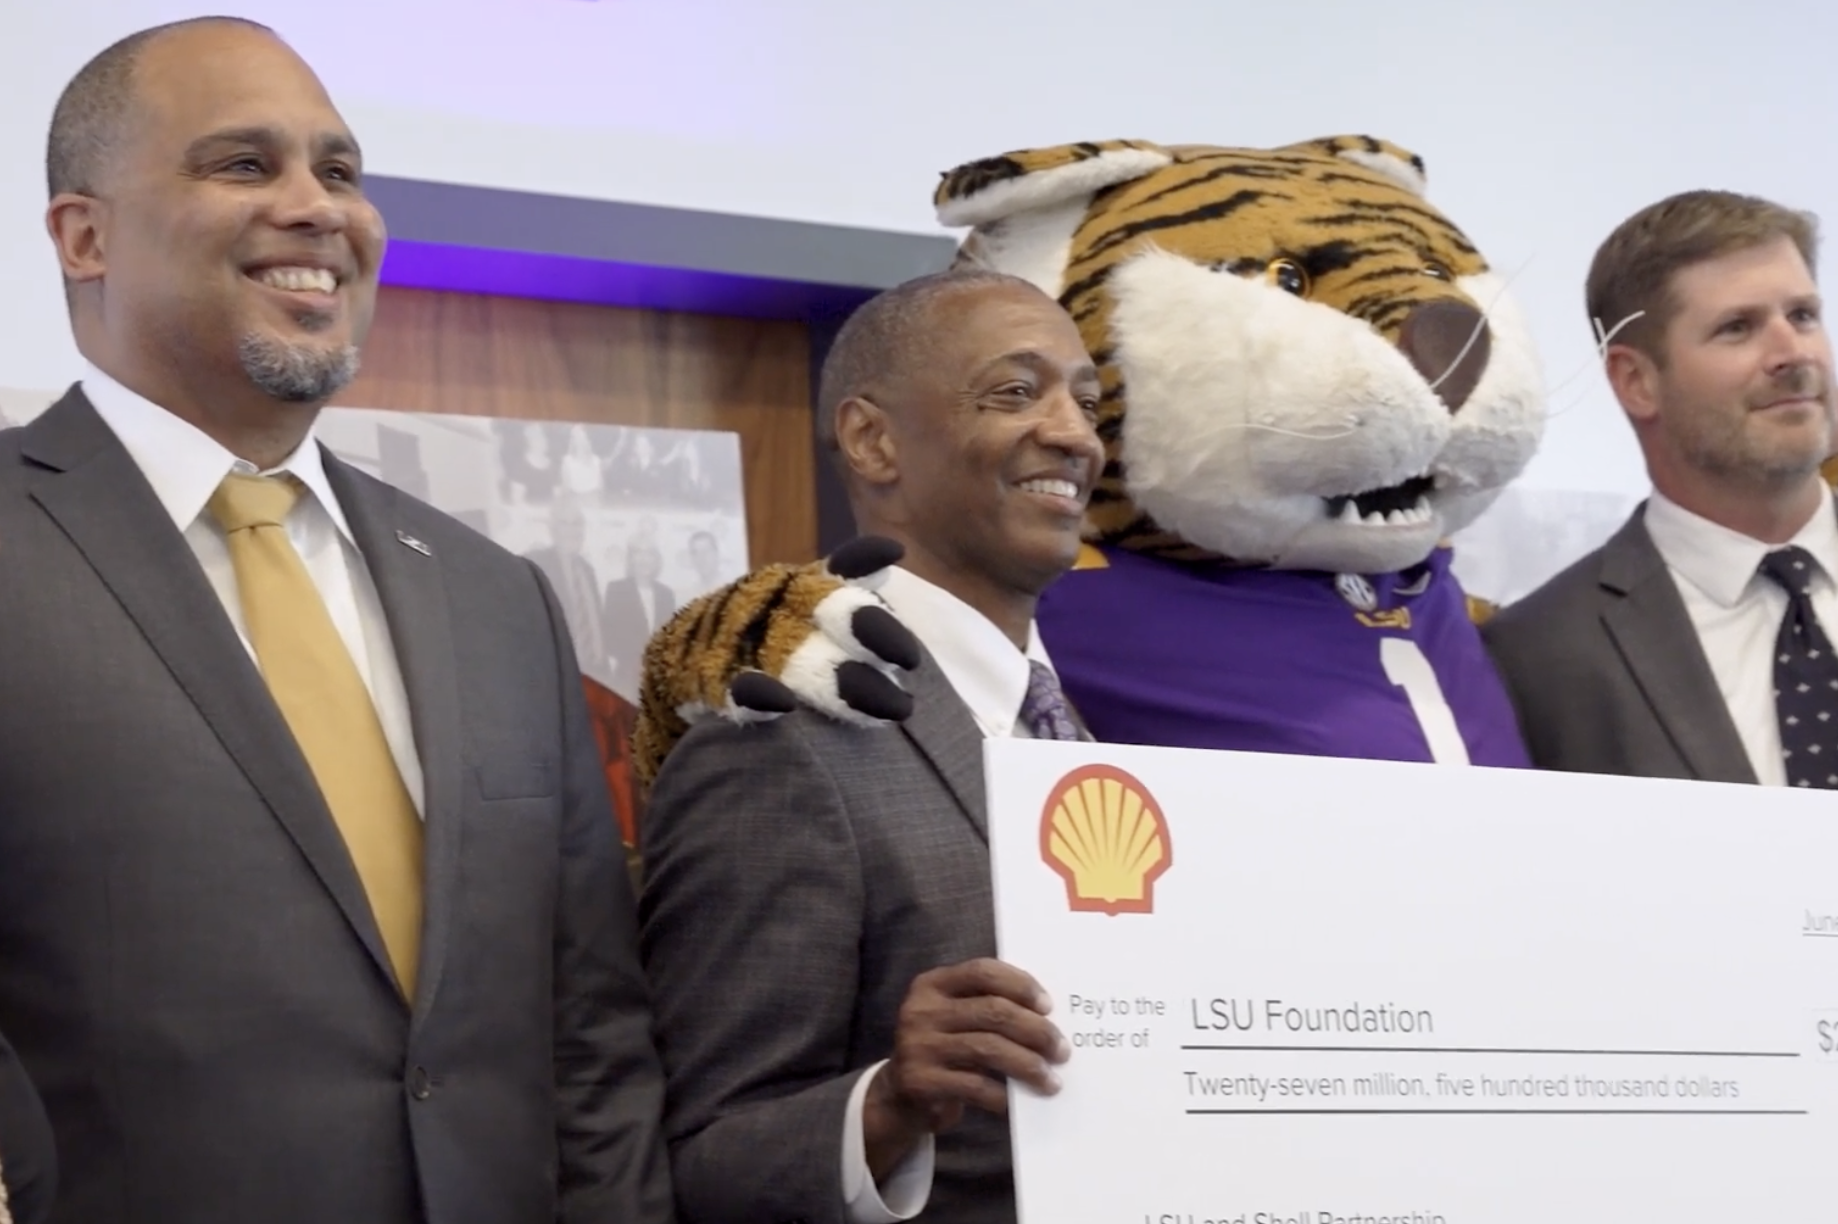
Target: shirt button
pixel 419 1085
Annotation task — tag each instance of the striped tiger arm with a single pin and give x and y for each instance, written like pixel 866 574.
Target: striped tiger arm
pixel 781 637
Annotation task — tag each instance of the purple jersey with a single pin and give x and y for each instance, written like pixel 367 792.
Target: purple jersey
pixel 1387 667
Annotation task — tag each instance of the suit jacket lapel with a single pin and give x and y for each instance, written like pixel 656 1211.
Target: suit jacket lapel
pixel 105 506
pixel 413 593
pixel 1650 627
pixel 943 729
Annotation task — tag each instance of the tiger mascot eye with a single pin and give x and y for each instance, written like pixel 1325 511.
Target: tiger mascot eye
pixel 1311 378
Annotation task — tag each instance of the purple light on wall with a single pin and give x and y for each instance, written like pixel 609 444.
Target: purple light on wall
pixel 608 253
pixel 427 265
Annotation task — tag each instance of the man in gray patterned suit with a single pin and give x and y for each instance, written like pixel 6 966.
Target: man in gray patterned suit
pixel 816 919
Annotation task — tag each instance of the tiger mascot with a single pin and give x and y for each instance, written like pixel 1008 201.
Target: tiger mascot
pixel 1311 378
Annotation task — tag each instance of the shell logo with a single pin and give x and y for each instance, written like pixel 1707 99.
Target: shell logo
pixel 1105 835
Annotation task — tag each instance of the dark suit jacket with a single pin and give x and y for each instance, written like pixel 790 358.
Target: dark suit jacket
pixel 799 875
pixel 192 974
pixel 626 628
pixel 28 1158
pixel 1607 674
pixel 586 624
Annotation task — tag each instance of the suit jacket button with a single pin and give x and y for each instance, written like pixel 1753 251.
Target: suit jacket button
pixel 419 1085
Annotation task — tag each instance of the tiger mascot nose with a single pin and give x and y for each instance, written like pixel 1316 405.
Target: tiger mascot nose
pixel 1449 343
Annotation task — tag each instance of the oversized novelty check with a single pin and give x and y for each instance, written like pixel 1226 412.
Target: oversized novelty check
pixel 1306 991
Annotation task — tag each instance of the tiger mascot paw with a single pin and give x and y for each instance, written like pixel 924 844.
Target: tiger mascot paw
pixel 784 636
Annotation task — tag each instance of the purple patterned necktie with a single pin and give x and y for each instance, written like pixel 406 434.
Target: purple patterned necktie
pixel 1045 711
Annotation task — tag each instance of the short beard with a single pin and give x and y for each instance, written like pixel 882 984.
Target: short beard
pixel 297 374
pixel 1742 458
pixel 1750 465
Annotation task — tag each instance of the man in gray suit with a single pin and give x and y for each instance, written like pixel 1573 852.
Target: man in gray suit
pixel 816 918
pixel 1693 644
pixel 314 908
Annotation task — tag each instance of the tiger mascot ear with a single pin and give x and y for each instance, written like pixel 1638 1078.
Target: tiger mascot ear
pixel 780 637
pixel 1026 206
pixel 992 188
pixel 1395 162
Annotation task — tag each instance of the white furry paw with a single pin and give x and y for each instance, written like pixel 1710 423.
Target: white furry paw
pixel 847 669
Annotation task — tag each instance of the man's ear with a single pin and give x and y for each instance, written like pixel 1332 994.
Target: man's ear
pixel 1634 378
pixel 77 224
pixel 865 440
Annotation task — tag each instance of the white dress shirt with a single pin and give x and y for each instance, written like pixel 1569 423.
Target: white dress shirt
pixel 1737 611
pixel 991 677
pixel 184 465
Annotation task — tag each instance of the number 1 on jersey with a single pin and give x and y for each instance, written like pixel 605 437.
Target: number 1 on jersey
pixel 1406 667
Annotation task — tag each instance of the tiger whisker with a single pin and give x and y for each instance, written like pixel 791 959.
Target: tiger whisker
pixel 1603 338
pixel 1552 414
pixel 1305 435
pixel 1480 324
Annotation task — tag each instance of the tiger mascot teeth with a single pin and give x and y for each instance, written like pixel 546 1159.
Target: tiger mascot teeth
pixel 1311 379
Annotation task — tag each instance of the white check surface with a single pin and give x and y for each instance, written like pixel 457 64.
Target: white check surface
pixel 1370 993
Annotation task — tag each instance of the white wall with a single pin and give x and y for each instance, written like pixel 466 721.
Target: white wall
pixel 1544 122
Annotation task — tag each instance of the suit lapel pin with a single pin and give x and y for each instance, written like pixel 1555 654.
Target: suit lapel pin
pixel 415 544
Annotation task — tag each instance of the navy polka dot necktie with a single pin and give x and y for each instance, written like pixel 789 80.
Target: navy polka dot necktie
pixel 1805 676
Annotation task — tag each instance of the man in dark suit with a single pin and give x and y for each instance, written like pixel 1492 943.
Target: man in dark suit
pixel 635 606
pixel 28 1157
pixel 571 575
pixel 1694 643
pixel 816 917
pixel 314 906
pixel 705 558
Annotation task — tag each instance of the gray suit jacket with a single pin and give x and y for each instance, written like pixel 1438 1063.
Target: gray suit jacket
pixel 1607 674
pixel 192 974
pixel 799 875
pixel 28 1158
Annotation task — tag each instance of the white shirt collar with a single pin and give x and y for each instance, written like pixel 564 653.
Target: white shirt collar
pixel 184 464
pixel 1721 562
pixel 981 664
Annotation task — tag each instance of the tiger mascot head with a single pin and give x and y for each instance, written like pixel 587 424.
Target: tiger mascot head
pixel 1305 364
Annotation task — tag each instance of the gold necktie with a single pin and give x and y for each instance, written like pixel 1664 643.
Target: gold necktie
pixel 322 697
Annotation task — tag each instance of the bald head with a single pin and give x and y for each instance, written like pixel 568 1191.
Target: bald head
pixel 890 340
pixel 91 117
